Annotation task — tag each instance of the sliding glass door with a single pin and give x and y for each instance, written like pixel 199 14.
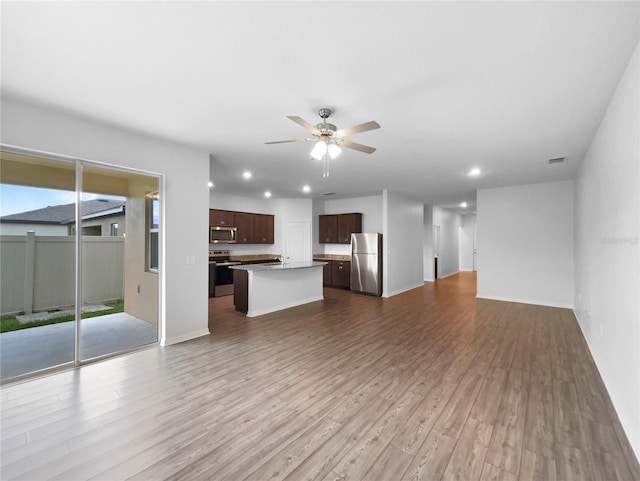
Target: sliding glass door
pixel 37 264
pixel 119 283
pixel 79 247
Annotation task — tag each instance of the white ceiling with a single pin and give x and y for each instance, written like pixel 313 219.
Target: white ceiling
pixel 503 86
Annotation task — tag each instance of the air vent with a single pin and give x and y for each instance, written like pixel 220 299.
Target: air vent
pixel 557 160
pixel 329 193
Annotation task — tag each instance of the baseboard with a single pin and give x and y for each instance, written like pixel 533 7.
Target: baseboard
pixel 268 310
pixel 429 279
pixel 597 363
pixel 400 291
pixel 449 275
pixel 519 300
pixel 584 333
pixel 184 337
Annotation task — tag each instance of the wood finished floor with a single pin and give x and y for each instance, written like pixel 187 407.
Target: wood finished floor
pixel 430 385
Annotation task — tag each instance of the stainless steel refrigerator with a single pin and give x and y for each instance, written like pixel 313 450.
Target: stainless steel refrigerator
pixel 366 263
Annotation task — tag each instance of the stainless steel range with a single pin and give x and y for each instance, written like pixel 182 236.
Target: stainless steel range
pixel 220 276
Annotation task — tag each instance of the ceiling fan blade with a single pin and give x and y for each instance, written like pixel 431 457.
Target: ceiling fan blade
pixel 356 129
pixel 304 124
pixel 285 141
pixel 353 145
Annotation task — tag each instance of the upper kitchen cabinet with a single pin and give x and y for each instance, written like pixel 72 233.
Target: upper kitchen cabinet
pixel 348 224
pixel 328 229
pixel 337 228
pixel 245 225
pixel 263 228
pixel 251 228
pixel 221 217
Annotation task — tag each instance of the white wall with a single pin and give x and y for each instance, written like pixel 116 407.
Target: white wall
pixel 402 238
pixel 370 207
pixel 283 210
pixel 185 217
pixel 225 201
pixel 525 244
pixel 427 246
pixel 465 239
pixel 607 263
pixel 449 252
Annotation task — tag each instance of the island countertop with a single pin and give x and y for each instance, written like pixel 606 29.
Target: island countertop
pixel 278 266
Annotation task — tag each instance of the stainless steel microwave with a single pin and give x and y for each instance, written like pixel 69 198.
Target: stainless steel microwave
pixel 222 235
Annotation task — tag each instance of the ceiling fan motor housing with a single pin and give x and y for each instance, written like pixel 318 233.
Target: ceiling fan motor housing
pixel 325 128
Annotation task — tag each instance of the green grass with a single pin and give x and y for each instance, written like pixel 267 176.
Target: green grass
pixel 10 323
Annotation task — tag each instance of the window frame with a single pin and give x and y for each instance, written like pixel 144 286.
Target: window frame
pixel 152 231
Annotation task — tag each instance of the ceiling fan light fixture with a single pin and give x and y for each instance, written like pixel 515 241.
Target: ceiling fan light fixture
pixel 334 150
pixel 327 137
pixel 319 150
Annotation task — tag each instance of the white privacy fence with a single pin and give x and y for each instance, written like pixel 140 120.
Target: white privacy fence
pixel 38 273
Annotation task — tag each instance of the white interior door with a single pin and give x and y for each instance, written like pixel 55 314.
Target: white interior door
pixel 436 249
pixel 297 241
pixel 475 243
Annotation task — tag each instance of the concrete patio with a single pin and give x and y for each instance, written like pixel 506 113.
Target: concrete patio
pixel 36 348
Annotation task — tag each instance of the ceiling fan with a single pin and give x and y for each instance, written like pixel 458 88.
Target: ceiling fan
pixel 328 138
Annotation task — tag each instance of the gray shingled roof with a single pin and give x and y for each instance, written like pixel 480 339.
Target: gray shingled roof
pixel 62 214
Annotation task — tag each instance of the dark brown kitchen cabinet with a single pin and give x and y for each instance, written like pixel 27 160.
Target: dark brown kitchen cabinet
pixel 251 228
pixel 221 217
pixel 326 274
pixel 244 225
pixel 241 290
pixel 348 224
pixel 336 273
pixel 337 228
pixel 263 231
pixel 328 229
pixel 341 274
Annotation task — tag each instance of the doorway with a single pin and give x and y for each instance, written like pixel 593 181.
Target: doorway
pixel 79 272
pixel 436 250
pixel 475 243
pixel 297 242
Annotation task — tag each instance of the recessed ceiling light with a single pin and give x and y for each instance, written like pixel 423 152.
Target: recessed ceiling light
pixel 474 172
pixel 463 205
pixel 210 184
pixel 306 188
pixel 267 194
pixel 246 174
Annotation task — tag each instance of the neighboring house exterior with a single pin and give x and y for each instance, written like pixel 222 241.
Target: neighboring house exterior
pixel 100 217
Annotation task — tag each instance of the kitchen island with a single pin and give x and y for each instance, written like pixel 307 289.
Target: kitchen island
pixel 263 288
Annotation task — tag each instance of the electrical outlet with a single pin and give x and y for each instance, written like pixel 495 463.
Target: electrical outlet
pixel 600 330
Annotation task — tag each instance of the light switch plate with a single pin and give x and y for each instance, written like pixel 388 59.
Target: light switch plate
pixel 191 260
